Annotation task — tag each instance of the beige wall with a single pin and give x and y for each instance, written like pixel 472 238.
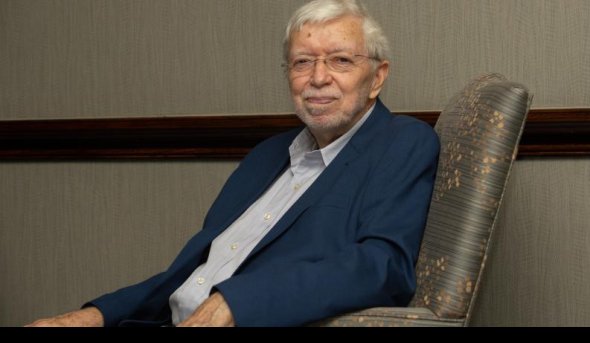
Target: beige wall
pixel 72 230
pixel 96 58
pixel 537 272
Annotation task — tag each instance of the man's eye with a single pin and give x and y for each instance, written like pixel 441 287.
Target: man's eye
pixel 301 62
pixel 341 60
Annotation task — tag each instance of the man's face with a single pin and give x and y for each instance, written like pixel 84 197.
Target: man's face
pixel 331 102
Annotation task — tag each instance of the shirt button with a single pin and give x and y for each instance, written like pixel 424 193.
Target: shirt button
pixel 297 186
pixel 267 216
pixel 200 280
pixel 234 246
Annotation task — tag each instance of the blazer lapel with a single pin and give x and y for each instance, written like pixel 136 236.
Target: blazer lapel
pixel 254 184
pixel 322 185
pixel 358 143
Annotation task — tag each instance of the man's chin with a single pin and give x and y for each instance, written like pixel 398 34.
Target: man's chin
pixel 318 111
pixel 316 118
pixel 322 123
pixel 321 119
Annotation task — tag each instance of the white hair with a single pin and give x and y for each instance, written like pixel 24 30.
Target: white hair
pixel 319 11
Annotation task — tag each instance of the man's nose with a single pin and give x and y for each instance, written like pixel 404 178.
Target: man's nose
pixel 320 74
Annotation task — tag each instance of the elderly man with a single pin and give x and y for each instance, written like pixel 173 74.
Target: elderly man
pixel 315 222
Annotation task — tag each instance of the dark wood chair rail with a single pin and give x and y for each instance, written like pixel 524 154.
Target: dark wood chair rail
pixel 548 132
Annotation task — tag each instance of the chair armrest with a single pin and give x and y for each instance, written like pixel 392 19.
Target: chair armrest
pixel 390 316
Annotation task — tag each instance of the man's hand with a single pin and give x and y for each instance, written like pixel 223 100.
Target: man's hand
pixel 89 316
pixel 212 312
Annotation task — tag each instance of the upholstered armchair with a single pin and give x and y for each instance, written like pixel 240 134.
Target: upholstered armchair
pixel 479 132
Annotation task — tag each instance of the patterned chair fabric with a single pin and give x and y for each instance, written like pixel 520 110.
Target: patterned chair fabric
pixel 479 131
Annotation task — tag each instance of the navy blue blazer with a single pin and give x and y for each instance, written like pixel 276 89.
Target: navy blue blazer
pixel 350 242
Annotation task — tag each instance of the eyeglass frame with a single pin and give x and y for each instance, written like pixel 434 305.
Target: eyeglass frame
pixel 310 63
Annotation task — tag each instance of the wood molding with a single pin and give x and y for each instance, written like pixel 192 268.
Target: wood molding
pixel 548 132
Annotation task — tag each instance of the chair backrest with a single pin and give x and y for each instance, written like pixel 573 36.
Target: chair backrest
pixel 479 132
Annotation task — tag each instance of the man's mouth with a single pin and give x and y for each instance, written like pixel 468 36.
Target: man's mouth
pixel 320 100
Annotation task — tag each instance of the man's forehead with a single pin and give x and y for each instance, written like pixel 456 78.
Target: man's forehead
pixel 346 24
pixel 341 34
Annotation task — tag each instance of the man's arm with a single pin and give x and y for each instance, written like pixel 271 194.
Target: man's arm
pixel 86 317
pixel 212 312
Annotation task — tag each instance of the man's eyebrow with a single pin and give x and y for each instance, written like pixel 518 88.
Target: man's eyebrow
pixel 330 52
pixel 301 53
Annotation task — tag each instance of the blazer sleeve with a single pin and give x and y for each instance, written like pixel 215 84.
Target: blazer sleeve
pixel 376 269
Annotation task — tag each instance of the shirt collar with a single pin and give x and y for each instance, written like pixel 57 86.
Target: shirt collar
pixel 305 145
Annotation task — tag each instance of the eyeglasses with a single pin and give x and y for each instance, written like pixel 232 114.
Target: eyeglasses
pixel 340 62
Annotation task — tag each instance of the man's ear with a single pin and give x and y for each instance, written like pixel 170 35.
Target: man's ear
pixel 379 79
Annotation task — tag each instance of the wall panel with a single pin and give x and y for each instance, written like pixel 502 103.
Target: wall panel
pixel 104 58
pixel 537 269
